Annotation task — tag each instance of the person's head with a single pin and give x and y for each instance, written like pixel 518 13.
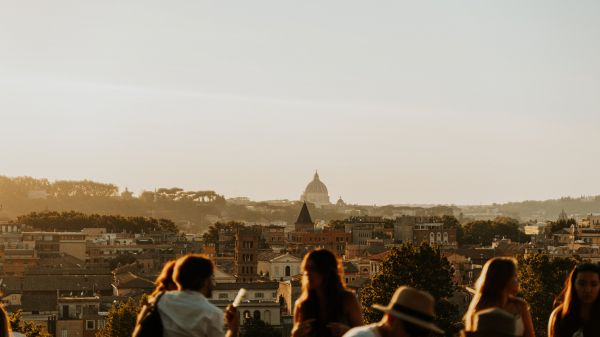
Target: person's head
pixel 322 275
pixel 164 281
pixel 194 272
pixel 498 275
pixel 321 270
pixel 498 278
pixel 492 322
pixel 410 313
pixel 581 288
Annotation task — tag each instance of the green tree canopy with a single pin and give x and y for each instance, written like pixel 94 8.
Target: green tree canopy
pixel 121 319
pixel 542 278
pixel 422 267
pixel 562 223
pixel 27 328
pixel 483 232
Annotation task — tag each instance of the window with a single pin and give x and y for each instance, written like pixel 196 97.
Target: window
pixel 259 295
pixel 101 324
pixel 90 324
pixel 64 333
pixel 256 315
pixel 223 296
pixel 287 271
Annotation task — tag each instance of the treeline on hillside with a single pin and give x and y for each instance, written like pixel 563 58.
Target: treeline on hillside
pixel 74 221
pixel 551 208
pixel 23 195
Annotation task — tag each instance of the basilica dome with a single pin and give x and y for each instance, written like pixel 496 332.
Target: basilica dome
pixel 316 186
pixel 316 192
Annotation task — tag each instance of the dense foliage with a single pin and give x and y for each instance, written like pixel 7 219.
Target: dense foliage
pixel 422 267
pixel 483 232
pixel 542 278
pixel 74 221
pixel 27 328
pixel 561 224
pixel 121 319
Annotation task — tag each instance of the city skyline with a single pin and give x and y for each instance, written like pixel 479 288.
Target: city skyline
pixel 401 103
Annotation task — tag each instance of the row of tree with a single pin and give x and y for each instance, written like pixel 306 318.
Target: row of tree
pixel 75 221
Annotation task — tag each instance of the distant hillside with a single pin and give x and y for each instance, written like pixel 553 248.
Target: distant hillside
pixel 550 209
pixel 190 210
pixel 23 195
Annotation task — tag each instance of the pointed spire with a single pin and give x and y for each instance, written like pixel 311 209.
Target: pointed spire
pixel 304 216
pixel 316 175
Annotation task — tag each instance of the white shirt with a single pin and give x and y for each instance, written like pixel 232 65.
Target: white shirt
pixel 189 314
pixel 364 331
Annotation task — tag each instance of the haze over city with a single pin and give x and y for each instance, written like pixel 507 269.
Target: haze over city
pixel 466 102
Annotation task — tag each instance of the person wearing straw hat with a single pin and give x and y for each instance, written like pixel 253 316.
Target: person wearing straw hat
pixel 492 322
pixel 410 313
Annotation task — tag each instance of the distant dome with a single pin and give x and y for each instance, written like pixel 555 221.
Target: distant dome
pixel 316 186
pixel 316 192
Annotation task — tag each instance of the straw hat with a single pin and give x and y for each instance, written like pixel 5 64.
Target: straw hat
pixel 413 306
pixel 493 322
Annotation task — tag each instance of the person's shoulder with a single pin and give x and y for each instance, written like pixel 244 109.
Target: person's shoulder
pixel 520 303
pixel 363 331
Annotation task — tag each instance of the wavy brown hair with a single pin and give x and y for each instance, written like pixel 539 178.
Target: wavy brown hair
pixel 165 281
pixel 494 278
pixel 325 263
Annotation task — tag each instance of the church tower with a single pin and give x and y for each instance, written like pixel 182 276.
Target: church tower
pixel 304 222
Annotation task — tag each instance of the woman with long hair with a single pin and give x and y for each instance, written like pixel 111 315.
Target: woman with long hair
pixel 497 286
pixel 578 312
pixel 325 308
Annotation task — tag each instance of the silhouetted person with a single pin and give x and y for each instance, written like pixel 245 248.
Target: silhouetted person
pixel 578 310
pixel 325 307
pixel 410 313
pixel 187 311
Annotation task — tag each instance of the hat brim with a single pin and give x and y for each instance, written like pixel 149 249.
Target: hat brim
pixel 408 318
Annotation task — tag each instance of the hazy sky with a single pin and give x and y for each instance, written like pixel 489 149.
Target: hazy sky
pixel 392 101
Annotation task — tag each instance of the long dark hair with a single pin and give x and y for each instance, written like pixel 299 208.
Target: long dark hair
pixel 569 305
pixel 5 330
pixel 493 280
pixel 324 263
